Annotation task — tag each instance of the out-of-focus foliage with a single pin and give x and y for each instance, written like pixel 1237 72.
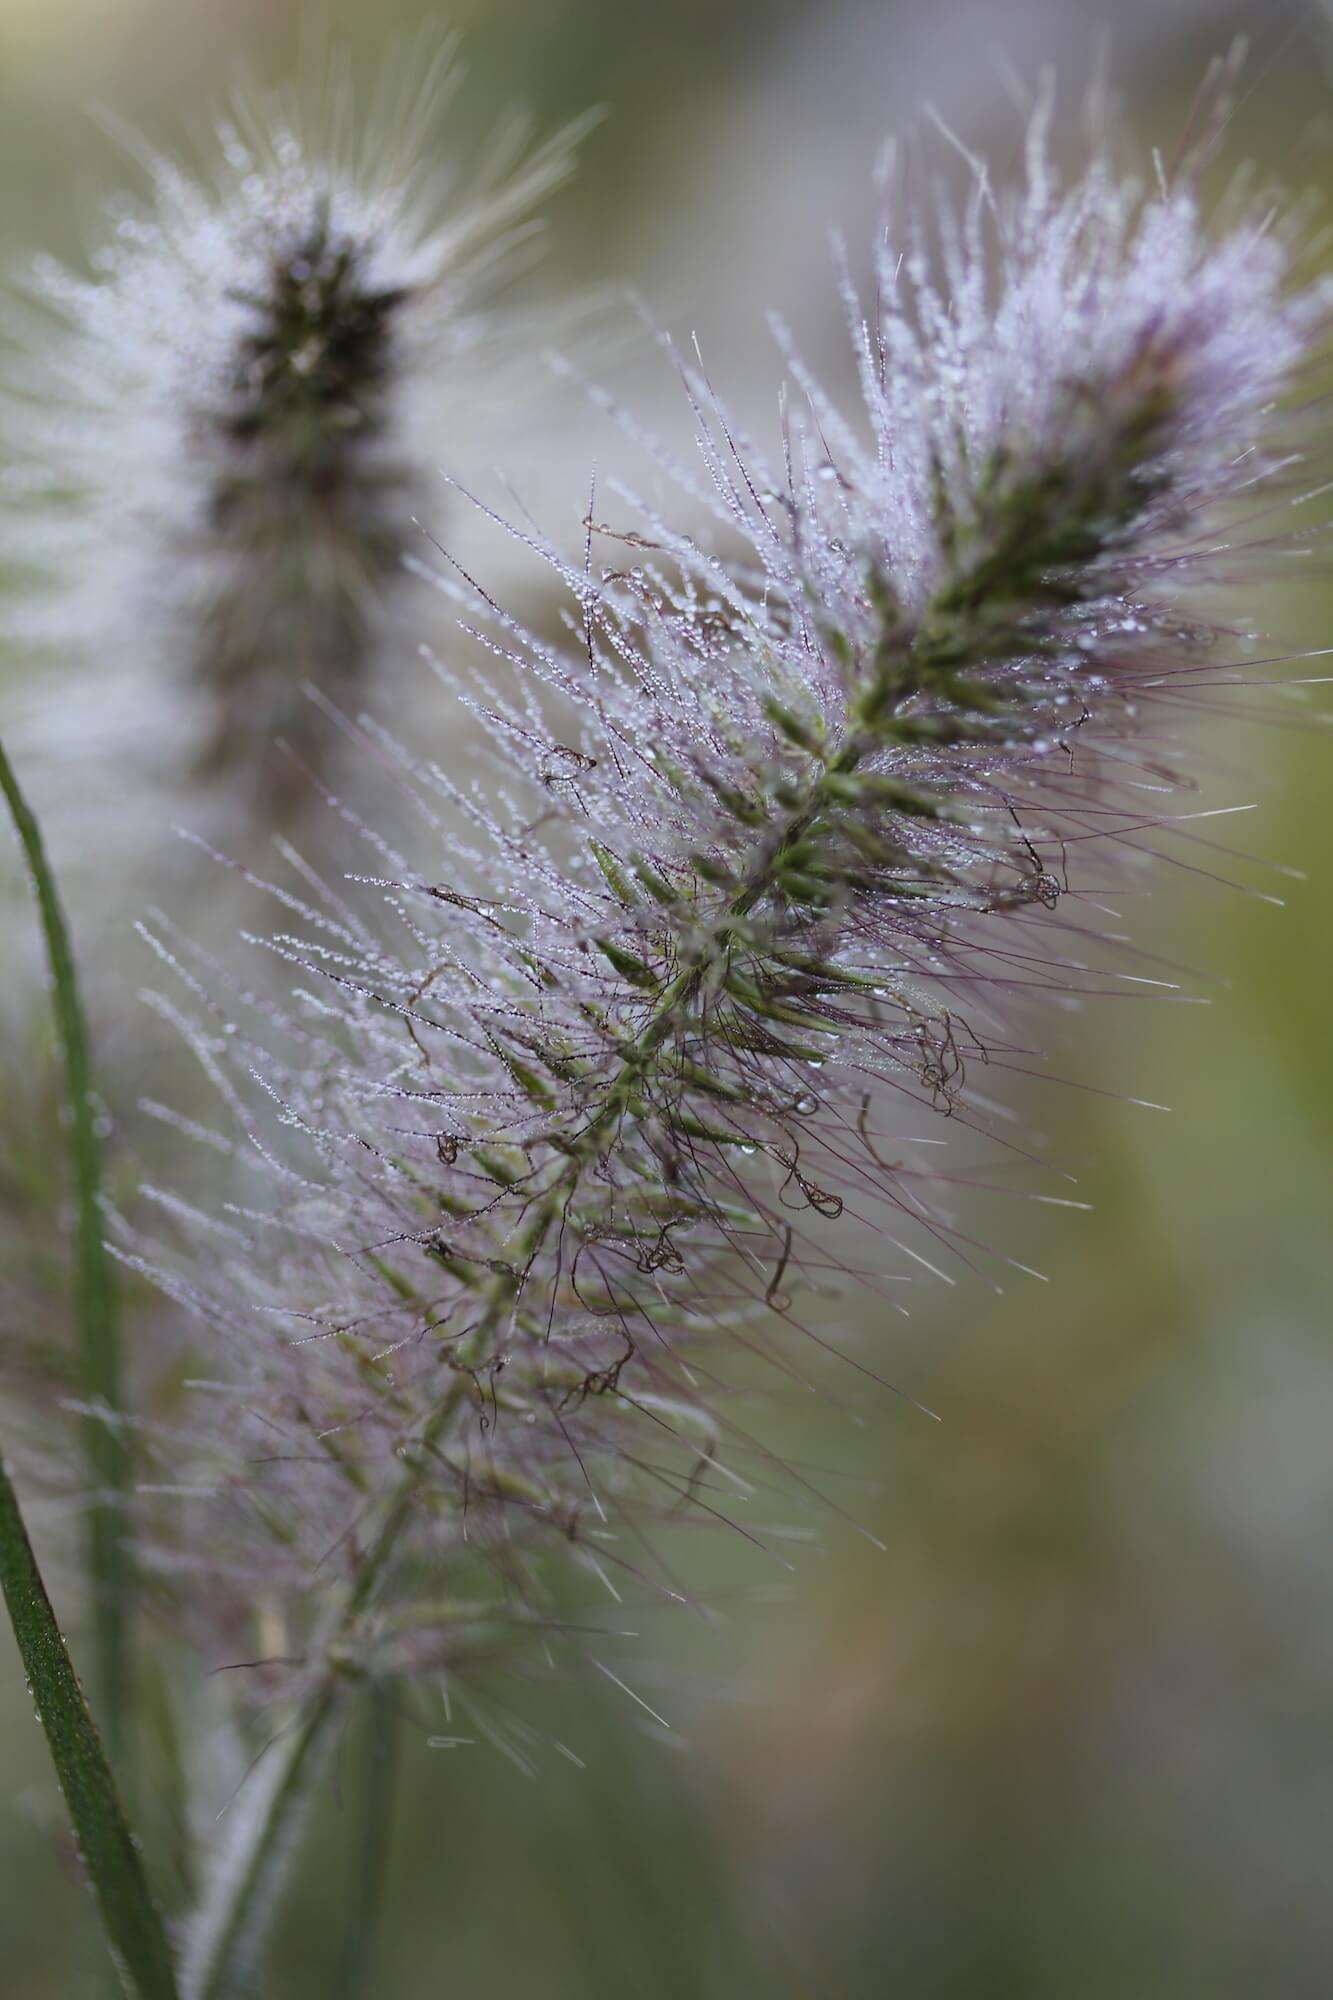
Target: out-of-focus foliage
pixel 1071 1732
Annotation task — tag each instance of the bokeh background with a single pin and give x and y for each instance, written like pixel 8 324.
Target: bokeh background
pixel 1071 1732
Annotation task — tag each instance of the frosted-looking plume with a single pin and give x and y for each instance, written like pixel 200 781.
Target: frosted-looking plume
pixel 779 863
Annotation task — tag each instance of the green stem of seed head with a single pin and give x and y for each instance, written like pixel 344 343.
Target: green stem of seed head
pixel 225 1944
pixel 374 1817
pixel 106 1455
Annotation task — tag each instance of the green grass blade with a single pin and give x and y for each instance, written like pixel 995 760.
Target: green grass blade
pixel 130 1918
pixel 99 1371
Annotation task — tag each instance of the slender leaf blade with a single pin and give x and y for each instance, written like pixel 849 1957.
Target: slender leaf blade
pixel 99 1357
pixel 130 1918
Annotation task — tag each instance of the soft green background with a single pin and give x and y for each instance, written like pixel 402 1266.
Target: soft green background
pixel 1072 1735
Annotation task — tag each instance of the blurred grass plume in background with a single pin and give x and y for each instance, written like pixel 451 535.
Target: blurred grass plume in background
pixel 223 434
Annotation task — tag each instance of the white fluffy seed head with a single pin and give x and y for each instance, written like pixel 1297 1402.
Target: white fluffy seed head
pixel 774 858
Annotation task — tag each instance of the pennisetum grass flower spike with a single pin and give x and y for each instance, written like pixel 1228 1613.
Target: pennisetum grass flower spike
pixel 773 856
pixel 223 431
